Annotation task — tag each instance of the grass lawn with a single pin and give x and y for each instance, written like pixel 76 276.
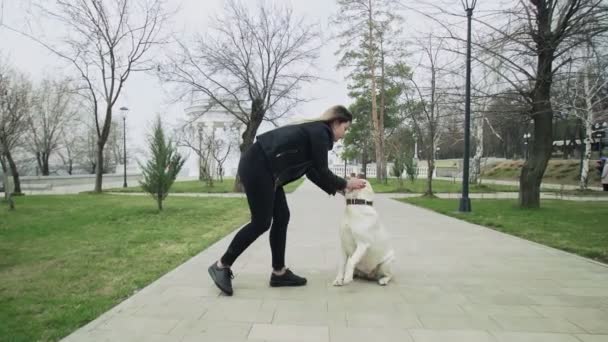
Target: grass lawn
pixel 196 186
pixel 558 172
pixel 577 227
pixel 440 186
pixel 64 260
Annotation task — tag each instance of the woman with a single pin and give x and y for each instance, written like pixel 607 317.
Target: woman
pixel 279 157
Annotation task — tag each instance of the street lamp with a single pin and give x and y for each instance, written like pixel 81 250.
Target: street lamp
pixel 124 111
pixel 437 152
pixel 465 201
pixel 527 137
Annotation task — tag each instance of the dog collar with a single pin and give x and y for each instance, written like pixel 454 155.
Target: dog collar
pixel 351 201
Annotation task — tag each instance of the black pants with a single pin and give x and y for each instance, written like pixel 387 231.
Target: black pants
pixel 605 187
pixel 268 209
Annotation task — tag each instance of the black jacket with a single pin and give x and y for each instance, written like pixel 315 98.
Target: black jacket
pixel 296 150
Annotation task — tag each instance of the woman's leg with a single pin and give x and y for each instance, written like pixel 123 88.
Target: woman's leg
pixel 278 230
pixel 281 276
pixel 259 188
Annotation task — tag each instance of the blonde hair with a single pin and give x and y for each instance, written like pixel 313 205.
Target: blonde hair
pixel 337 112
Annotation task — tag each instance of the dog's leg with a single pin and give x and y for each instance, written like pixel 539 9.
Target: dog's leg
pixel 353 261
pixel 385 272
pixel 339 281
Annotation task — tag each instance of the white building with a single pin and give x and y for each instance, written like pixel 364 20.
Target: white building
pixel 216 121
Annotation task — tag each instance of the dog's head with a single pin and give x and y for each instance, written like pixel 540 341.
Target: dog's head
pixel 367 193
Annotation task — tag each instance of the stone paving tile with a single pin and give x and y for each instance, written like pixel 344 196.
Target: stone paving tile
pixel 239 310
pixel 139 325
pixel 211 330
pixel 474 322
pixel 352 334
pixel 295 333
pixel 533 337
pixel 533 324
pixel 451 335
pixel 505 310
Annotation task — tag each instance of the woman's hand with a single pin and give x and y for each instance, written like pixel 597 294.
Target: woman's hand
pixel 355 184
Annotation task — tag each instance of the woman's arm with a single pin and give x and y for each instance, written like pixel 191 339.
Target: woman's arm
pixel 320 174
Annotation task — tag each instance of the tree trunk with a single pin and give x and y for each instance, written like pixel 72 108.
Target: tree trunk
pixel 159 201
pixel 589 117
pixel 429 180
pixel 476 166
pixel 101 143
pixel 586 156
pixel 42 158
pixel 541 145
pixel 4 176
pixel 99 168
pixel 45 164
pixel 373 92
pixel 14 172
pixel 364 162
pixel 383 168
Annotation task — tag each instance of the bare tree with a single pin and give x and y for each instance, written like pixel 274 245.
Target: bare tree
pixel 67 153
pixel 583 93
pixel 48 119
pixel 427 99
pixel 15 104
pixel 203 144
pixel 84 148
pixel 486 88
pixel 69 146
pixel 252 64
pixel 220 153
pixel 105 41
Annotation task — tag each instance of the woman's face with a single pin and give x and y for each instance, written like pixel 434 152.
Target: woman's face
pixel 340 129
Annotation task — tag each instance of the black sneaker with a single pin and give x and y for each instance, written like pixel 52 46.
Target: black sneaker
pixel 222 277
pixel 287 279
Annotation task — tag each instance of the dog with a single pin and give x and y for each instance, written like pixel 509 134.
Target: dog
pixel 366 249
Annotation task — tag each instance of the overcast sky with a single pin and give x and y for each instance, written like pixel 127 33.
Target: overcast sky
pixel 145 96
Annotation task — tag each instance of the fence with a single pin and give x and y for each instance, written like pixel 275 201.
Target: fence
pixel 371 170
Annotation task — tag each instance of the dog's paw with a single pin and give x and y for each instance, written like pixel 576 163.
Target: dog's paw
pixel 338 282
pixel 384 281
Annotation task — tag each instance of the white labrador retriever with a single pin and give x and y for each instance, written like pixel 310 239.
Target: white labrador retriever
pixel 366 250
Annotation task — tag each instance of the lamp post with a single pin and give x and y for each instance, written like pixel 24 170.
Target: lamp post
pixel 124 111
pixel 465 201
pixel 527 137
pixel 437 152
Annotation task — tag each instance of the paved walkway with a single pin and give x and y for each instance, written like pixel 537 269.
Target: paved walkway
pixel 454 282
